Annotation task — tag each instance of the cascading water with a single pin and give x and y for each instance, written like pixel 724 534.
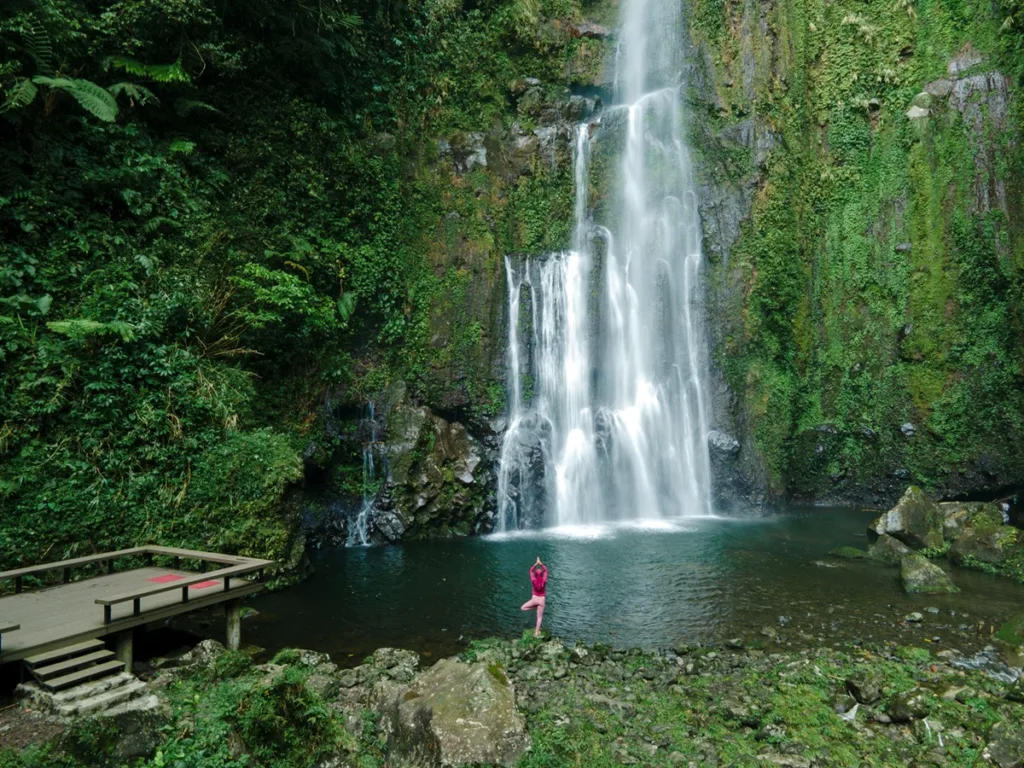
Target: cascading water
pixel 616 424
pixel 359 531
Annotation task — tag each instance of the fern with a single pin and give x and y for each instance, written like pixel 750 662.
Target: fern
pixel 80 328
pixel 137 94
pixel 91 97
pixel 21 95
pixel 37 43
pixel 182 147
pixel 187 106
pixel 161 73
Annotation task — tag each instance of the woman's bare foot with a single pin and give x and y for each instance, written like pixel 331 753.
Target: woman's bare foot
pixel 536 633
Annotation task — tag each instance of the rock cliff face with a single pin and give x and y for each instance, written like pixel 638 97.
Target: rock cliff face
pixel 857 178
pixel 860 239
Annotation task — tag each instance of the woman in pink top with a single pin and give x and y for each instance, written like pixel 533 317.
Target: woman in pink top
pixel 539 578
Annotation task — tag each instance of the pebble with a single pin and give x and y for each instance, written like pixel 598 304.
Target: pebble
pixel 915 617
pixel 931 609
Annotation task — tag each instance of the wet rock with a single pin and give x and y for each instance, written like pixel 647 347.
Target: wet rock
pixel 590 30
pixel 914 617
pixel 915 520
pixel 1016 691
pixel 865 686
pixel 397 663
pixel 959 516
pixel 908 429
pixel 200 657
pixel 984 546
pixel 848 553
pixel 923 577
pixel 908 706
pixel 456 713
pixel 1006 745
pixel 886 549
pixel 722 443
pixel 967 57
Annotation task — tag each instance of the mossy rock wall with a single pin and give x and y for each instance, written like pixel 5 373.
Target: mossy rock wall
pixel 858 168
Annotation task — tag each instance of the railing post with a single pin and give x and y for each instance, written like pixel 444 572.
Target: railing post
pixel 184 594
pixel 202 566
pixel 136 606
pixel 17 585
pixel 110 565
pixel 67 575
pixel 107 613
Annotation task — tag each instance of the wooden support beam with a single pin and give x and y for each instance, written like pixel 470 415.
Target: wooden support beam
pixel 233 617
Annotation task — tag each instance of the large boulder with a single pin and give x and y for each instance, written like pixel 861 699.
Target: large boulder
pixel 959 516
pixel 886 549
pixel 1006 745
pixel 923 577
pixel 455 714
pixel 915 520
pixel 981 545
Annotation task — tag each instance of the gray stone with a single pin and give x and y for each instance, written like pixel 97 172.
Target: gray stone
pixel 865 686
pixel 939 88
pixel 915 520
pixel 966 58
pixel 886 549
pixel 908 429
pixel 202 656
pixel 984 546
pixel 959 516
pixel 591 30
pixel 722 443
pixel 923 577
pixel 397 663
pixel 455 714
pixel 1006 745
pixel 908 706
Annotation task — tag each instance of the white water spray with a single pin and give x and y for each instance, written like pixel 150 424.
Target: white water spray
pixel 359 531
pixel 616 424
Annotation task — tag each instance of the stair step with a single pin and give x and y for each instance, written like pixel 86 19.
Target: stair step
pixel 92 688
pixel 63 653
pixel 82 675
pixel 103 701
pixel 69 665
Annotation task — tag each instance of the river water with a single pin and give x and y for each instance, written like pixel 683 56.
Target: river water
pixel 698 580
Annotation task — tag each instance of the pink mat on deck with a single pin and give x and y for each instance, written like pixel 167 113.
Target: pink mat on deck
pixel 166 578
pixel 205 584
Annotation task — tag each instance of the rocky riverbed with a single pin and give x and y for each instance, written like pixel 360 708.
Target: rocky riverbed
pixel 545 703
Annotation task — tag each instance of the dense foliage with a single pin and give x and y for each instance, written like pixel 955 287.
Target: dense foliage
pixel 880 276
pixel 210 228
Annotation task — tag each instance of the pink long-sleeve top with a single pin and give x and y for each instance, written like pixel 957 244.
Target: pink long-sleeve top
pixel 539 577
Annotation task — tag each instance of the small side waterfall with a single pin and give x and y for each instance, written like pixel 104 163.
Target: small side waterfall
pixel 615 425
pixel 359 530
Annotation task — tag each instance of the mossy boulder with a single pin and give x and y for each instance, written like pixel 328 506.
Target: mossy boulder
pixel 1012 632
pixel 886 549
pixel 959 516
pixel 915 520
pixel 982 545
pixel 923 577
pixel 456 714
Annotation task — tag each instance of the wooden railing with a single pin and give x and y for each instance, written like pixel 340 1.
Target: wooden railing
pixel 108 558
pixel 251 565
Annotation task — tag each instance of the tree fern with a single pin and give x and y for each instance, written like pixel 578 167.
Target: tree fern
pixel 136 94
pixel 161 73
pixel 187 106
pixel 91 97
pixel 37 43
pixel 20 95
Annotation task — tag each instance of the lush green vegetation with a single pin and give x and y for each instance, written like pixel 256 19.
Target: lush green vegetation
pixel 219 220
pixel 606 708
pixel 879 279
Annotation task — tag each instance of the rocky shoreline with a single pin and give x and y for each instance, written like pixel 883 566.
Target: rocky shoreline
pixel 545 703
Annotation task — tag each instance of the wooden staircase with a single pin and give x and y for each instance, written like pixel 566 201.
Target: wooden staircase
pixel 73 665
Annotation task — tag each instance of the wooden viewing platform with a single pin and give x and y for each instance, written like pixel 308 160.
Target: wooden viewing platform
pixel 48 619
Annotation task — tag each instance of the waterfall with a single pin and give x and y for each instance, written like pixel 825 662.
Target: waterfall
pixel 616 424
pixel 359 531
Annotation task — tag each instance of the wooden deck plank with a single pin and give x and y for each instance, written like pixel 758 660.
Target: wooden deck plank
pixel 67 613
